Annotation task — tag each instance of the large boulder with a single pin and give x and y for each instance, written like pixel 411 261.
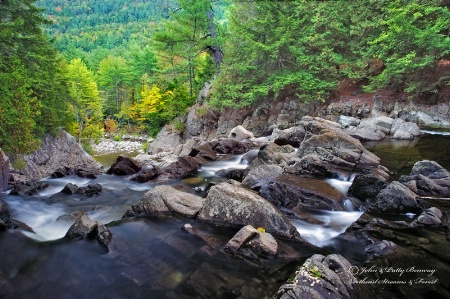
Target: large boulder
pixel 396 198
pixel 56 152
pixel 239 133
pixel 321 277
pixel 124 166
pixel 326 140
pixel 4 171
pixel 231 205
pixel 88 191
pixel 367 129
pixel 164 200
pixel 291 192
pixel 182 166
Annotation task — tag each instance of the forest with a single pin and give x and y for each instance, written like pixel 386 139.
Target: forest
pixel 98 66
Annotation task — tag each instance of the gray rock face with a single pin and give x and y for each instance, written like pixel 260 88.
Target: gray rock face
pixel 321 277
pixel 235 206
pixel 239 133
pixel 165 200
pixel 326 140
pixel 56 152
pixel 291 192
pixel 395 198
pixel 4 171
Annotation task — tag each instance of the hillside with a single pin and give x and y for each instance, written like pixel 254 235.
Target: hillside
pixel 87 25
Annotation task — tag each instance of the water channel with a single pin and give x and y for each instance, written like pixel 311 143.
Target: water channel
pixel 152 257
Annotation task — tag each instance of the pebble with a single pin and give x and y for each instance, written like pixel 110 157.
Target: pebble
pixel 108 146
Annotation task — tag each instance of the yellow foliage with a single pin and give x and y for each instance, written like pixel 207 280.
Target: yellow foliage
pixel 261 229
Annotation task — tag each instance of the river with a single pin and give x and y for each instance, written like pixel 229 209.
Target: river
pixel 154 258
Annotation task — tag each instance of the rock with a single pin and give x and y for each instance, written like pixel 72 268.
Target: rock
pixel 292 136
pixel 146 174
pixel 368 184
pixel 62 172
pixel 260 175
pixel 165 141
pixel 231 205
pixel 274 154
pixel 89 191
pixel 208 238
pixel 232 173
pixel 56 152
pixel 239 133
pixel 86 173
pixel 312 165
pixel 205 151
pixel 85 228
pixel 429 217
pixel 252 243
pixel 291 192
pixel 404 130
pixel 326 140
pixel 28 188
pixel 229 146
pixel 183 166
pixel 240 238
pixel 321 277
pixel 5 216
pixel 367 130
pixel 4 171
pixel 165 200
pixel 70 189
pixel 348 121
pixel 428 178
pixel 124 166
pixel 383 247
pixel 396 198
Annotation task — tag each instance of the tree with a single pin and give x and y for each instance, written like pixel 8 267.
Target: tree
pixel 114 77
pixel 85 97
pixel 190 32
pixel 32 93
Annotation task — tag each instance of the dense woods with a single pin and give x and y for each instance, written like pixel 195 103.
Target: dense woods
pixel 139 64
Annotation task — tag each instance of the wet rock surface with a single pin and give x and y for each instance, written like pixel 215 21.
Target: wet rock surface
pixel 124 166
pixel 235 206
pixel 88 191
pixel 295 192
pixel 85 228
pixel 29 188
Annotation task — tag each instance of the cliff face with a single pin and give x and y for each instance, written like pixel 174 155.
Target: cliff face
pixel 56 152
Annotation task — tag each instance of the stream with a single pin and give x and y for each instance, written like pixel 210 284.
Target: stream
pixel 152 257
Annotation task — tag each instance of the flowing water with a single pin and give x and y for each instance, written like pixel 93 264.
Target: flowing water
pixel 153 258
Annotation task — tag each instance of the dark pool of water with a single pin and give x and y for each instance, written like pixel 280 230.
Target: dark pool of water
pixel 399 156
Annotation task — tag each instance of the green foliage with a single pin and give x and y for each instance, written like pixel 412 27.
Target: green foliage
pixel 179 126
pixel 32 92
pixel 414 36
pixel 315 271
